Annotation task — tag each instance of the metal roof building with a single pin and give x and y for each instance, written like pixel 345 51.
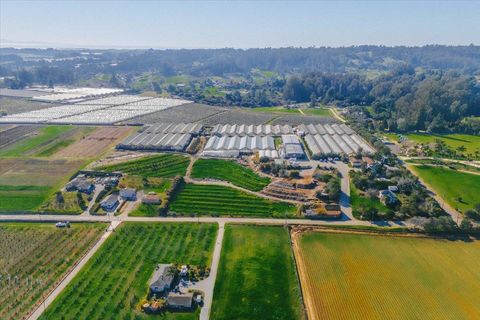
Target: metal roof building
pixel 251 130
pixel 156 141
pixel 191 128
pixel 235 145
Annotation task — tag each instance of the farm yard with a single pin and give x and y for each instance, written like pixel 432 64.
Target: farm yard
pixel 34 258
pixel 458 189
pixel 220 200
pixel 383 277
pixel 164 165
pixel 26 183
pixel 257 269
pixel 113 283
pixel 229 171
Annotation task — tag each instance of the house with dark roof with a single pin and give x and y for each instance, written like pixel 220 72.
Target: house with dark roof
pixel 110 203
pixel 387 197
pixel 162 279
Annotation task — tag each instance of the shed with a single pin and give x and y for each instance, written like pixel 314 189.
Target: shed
pixel 151 199
pixel 110 203
pixel 180 300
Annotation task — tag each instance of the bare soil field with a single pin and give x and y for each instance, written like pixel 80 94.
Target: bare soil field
pixel 192 112
pixel 95 143
pixel 16 171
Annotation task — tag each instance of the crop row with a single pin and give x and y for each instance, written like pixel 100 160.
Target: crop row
pixel 165 165
pixel 206 199
pixel 229 171
pixel 34 258
pixel 116 277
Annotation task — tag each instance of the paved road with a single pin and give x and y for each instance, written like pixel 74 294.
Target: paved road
pixel 51 297
pixel 208 285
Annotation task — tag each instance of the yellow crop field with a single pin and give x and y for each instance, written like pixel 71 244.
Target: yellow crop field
pixel 352 276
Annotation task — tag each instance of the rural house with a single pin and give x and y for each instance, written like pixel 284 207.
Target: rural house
pixel 110 203
pixel 387 197
pixel 80 184
pixel 162 279
pixel 128 194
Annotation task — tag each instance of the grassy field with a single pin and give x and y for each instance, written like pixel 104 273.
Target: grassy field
pixel 45 143
pixel 256 277
pixel 115 279
pixel 69 205
pixel 323 112
pixel 274 110
pixel 357 201
pixel 451 185
pixel 229 171
pixel 26 183
pixel 38 254
pixel 470 142
pixel 347 276
pixel 219 200
pixel 164 165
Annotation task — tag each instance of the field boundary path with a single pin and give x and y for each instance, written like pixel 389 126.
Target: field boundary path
pixel 336 115
pixel 69 277
pixel 456 216
pixel 208 284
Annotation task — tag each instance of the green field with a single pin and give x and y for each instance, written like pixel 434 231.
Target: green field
pixel 348 276
pixel 470 142
pixel 256 277
pixel 69 205
pixel 450 185
pixel 164 165
pixel 275 110
pixel 38 254
pixel 219 200
pixel 25 183
pixel 357 201
pixel 115 280
pixel 229 171
pixel 45 143
pixel 323 112
pixel 145 210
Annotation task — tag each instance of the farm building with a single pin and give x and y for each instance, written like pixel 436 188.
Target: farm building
pixel 291 147
pixel 326 140
pixel 151 198
pixel 180 300
pixel 271 154
pixel 149 140
pixel 251 130
pixel 162 279
pixel 191 128
pixel 232 146
pixel 110 203
pixel 128 194
pixel 80 184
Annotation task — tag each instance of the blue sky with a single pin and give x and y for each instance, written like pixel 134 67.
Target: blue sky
pixel 239 24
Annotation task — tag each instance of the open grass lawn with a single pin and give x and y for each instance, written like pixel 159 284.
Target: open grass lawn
pixel 115 279
pixel 49 140
pixel 145 210
pixel 256 277
pixel 219 200
pixel 471 142
pixel 36 256
pixel 450 185
pixel 164 165
pixel 68 203
pixel 379 277
pixel 324 112
pixel 357 201
pixel 229 171
pixel 26 183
